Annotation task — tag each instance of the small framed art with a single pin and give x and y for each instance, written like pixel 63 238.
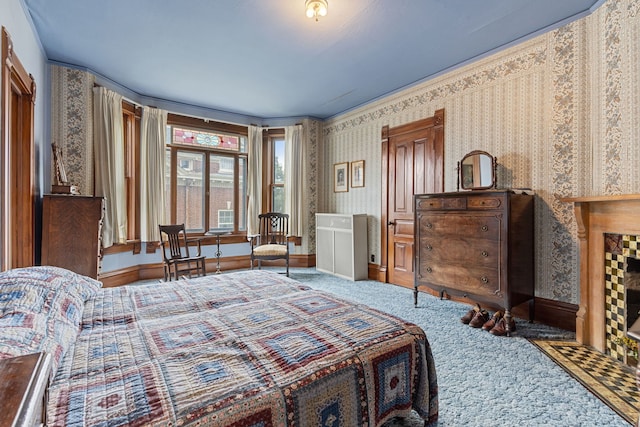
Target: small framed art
pixel 340 177
pixel 357 174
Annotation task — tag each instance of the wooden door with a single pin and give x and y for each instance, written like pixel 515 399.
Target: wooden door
pixel 413 161
pixel 17 207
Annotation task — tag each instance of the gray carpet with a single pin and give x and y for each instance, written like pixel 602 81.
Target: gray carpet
pixel 483 380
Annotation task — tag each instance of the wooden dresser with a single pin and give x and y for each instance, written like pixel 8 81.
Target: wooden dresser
pixel 71 233
pixel 476 244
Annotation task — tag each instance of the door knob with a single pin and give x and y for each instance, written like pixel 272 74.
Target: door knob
pixel 391 223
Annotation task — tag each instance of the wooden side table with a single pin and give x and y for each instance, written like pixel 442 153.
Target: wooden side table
pixel 23 384
pixel 218 232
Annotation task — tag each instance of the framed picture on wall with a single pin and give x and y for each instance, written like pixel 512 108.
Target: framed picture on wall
pixel 340 177
pixel 357 174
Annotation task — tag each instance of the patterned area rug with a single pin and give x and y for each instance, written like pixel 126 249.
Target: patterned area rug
pixel 611 381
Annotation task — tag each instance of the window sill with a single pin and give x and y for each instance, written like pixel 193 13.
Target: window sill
pixel 134 246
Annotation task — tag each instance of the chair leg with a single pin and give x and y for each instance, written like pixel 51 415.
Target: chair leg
pixel 287 261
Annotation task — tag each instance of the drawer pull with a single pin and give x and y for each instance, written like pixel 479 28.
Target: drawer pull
pixel 429 270
pixel 485 254
pixel 485 228
pixel 484 279
pixel 429 247
pixel 429 225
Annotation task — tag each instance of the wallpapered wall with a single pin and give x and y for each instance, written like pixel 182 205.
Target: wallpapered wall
pixel 72 124
pixel 559 112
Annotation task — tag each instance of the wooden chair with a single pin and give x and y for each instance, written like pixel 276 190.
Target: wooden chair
pixel 178 261
pixel 272 242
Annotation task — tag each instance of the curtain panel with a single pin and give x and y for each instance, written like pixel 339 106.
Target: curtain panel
pixel 109 164
pixel 254 179
pixel 295 178
pixel 152 173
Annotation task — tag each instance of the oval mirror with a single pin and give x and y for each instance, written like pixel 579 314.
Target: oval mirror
pixel 477 171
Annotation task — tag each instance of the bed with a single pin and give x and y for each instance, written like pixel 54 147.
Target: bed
pixel 251 348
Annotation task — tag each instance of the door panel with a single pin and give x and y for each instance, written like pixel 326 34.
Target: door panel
pixel 402 155
pixel 400 215
pixel 414 155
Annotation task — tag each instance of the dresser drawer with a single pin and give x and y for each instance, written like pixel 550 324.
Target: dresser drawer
pixel 442 225
pixel 482 202
pixel 442 203
pixel 469 251
pixel 471 280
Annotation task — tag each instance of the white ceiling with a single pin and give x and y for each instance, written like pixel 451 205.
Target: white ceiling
pixel 265 58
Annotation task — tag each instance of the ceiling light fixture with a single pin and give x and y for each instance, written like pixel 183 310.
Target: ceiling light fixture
pixel 316 8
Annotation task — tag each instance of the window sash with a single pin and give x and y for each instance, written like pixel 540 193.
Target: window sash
pixel 273 171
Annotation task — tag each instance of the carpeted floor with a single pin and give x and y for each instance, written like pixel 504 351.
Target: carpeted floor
pixel 483 380
pixel 613 382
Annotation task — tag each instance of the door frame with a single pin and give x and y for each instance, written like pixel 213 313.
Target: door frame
pixel 17 182
pixel 437 121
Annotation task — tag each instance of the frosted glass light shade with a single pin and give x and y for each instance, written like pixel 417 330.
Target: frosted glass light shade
pixel 316 8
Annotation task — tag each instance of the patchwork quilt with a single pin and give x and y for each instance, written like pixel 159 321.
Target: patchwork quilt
pixel 251 348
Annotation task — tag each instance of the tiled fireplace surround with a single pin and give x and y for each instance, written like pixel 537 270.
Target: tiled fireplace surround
pixel 620 290
pixel 608 234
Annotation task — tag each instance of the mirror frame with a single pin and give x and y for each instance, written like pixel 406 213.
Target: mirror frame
pixel 493 171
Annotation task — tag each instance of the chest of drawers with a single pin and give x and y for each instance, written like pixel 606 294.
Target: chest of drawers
pixel 72 233
pixel 476 244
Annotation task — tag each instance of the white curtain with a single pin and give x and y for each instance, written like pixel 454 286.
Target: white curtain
pixel 152 172
pixel 295 178
pixel 254 179
pixel 108 143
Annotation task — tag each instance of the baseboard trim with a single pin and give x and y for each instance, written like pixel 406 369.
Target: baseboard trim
pixel 556 313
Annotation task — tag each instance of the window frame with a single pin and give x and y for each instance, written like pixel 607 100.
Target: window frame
pixel 131 116
pixel 269 137
pixel 176 120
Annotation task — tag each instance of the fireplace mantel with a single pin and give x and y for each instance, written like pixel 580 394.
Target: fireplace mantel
pixel 596 216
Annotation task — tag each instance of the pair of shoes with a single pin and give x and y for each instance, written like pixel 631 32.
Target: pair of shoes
pixel 500 328
pixel 480 318
pixel 470 314
pixel 489 324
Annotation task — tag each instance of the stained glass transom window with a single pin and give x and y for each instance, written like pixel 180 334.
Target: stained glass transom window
pixel 205 139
